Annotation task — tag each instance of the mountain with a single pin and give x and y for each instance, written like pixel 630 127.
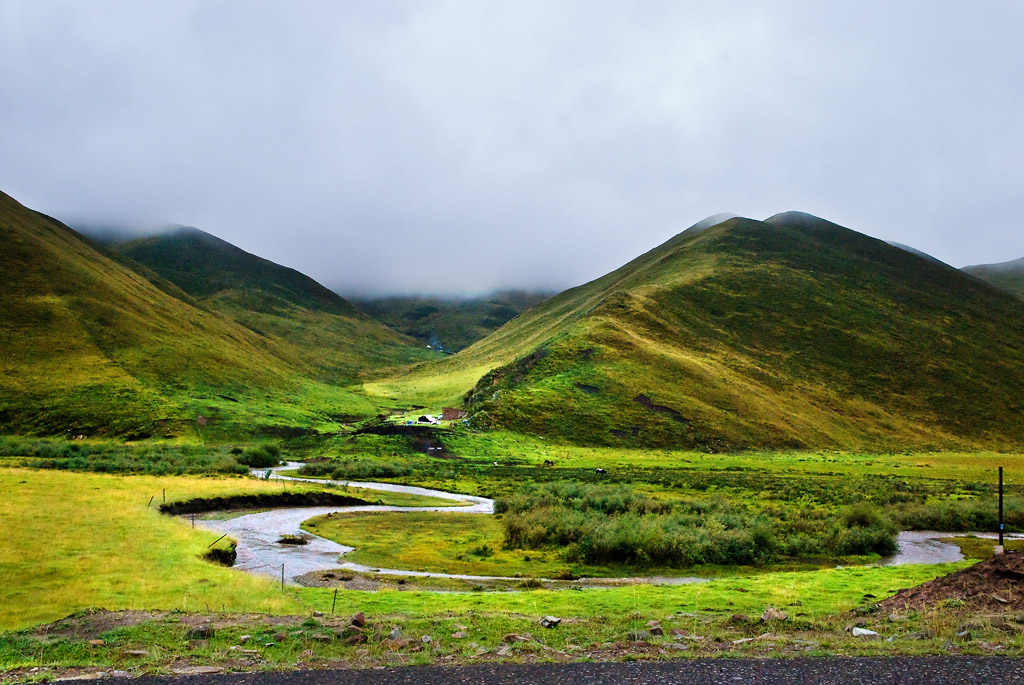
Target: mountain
pixel 1006 275
pixel 914 250
pixel 94 343
pixel 450 324
pixel 327 336
pixel 788 333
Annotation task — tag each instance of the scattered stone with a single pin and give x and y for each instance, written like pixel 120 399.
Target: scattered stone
pixel 201 633
pixel 198 644
pixel 918 636
pixel 460 635
pixel 96 643
pixel 550 621
pixel 773 614
pixel 739 618
pixel 362 652
pixel 244 638
pixel 358 620
pixel 504 651
pixel 864 632
pixel 395 634
pixel 965 635
pixel 357 639
pixel 318 614
pixel 238 649
pixel 680 634
pixel 268 644
pixel 1000 599
pixel 654 628
pixel 426 639
pixel 676 646
pixel 638 636
pixel 321 638
pixel 280 637
pixel 136 652
pixel 895 618
pixel 197 670
pixel 512 638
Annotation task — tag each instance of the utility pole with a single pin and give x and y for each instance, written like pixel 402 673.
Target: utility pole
pixel 1000 509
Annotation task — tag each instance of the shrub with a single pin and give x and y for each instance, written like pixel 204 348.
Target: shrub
pixel 261 456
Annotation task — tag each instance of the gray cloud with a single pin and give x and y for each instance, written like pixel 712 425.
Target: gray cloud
pixel 461 146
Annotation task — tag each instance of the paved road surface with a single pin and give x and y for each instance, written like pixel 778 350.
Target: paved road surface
pixel 904 670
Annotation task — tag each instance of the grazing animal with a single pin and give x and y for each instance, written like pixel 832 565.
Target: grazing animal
pixel 601 472
pixel 548 462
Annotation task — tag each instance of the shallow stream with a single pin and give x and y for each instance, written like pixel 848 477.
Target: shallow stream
pixel 259 549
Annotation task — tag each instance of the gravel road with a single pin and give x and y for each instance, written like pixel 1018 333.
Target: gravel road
pixel 908 670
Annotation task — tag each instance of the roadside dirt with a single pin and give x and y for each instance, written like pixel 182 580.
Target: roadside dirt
pixel 994 585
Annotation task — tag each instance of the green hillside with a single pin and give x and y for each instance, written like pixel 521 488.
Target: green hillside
pixel 1006 275
pixel 92 346
pixel 324 334
pixel 453 323
pixel 790 332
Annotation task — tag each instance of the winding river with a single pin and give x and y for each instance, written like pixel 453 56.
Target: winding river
pixel 259 549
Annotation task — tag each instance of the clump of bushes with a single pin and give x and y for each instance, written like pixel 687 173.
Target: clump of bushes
pixel 599 524
pixel 109 456
pixel 261 456
pixel 355 470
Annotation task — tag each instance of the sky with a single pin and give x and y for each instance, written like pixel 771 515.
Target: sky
pixel 461 146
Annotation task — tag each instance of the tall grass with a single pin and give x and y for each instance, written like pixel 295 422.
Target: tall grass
pixel 112 457
pixel 613 524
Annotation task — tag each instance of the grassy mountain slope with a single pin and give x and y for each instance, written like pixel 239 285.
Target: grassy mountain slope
pixel 1006 275
pixel 792 332
pixel 451 323
pixel 320 330
pixel 92 346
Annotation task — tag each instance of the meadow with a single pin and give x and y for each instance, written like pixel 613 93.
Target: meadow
pixel 78 539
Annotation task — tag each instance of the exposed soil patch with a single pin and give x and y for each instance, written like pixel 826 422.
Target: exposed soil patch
pixel 412 431
pixel 645 401
pixel 277 500
pixel 991 585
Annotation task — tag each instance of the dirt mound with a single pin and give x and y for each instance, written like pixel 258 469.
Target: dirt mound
pixel 996 584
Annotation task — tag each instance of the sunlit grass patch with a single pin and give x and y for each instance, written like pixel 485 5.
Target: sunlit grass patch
pixel 73 541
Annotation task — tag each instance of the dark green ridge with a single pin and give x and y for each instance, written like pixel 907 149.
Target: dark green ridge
pixel 452 323
pixel 204 265
pixel 328 337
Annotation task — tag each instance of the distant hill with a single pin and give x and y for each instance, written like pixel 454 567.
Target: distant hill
pixel 914 250
pixel 787 333
pixel 330 338
pixel 450 323
pixel 1006 275
pixel 93 343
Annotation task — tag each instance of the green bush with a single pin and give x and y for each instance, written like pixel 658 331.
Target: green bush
pixel 261 456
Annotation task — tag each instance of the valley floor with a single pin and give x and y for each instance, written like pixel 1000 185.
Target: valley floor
pixel 94 578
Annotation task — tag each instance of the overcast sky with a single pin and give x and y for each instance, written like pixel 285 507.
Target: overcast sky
pixel 463 146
